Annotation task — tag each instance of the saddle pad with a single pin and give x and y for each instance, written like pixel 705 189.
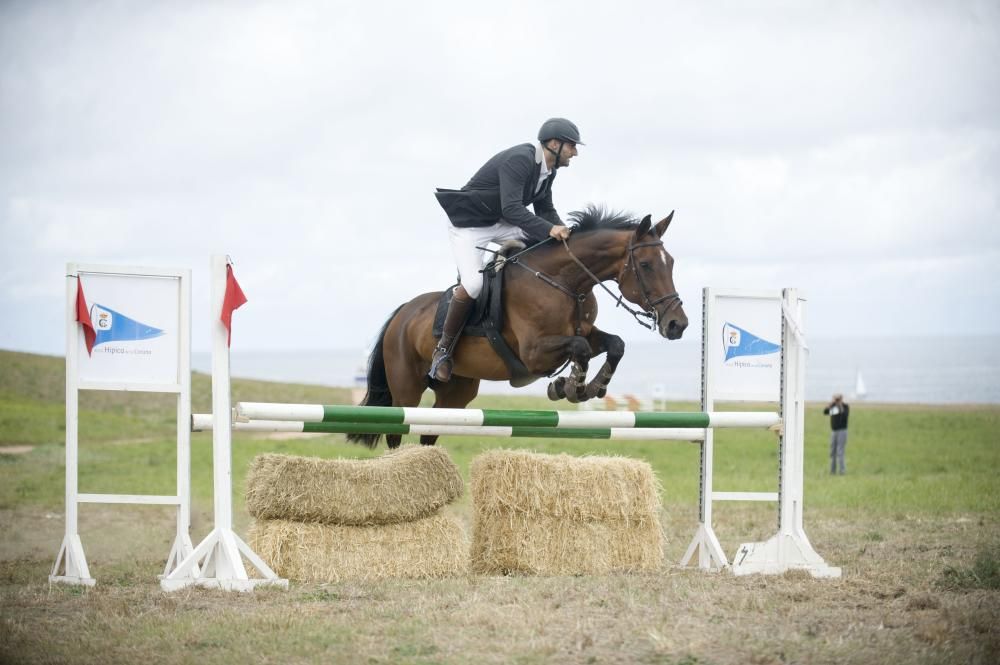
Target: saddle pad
pixel 476 325
pixel 486 321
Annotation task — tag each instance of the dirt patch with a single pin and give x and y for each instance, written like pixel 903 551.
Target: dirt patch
pixel 15 450
pixel 888 607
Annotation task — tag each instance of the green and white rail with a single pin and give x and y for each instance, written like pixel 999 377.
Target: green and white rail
pixel 203 422
pixel 560 420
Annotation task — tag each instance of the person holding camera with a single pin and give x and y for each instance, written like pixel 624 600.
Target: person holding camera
pixel 838 412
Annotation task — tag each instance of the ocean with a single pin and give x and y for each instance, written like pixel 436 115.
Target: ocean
pixel 920 370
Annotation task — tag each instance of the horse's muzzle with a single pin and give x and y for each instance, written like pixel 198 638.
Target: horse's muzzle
pixel 673 324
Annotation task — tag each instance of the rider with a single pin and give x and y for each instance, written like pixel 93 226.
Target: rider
pixel 493 206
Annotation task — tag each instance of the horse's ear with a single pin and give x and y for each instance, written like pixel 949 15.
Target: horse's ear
pixel 643 227
pixel 661 226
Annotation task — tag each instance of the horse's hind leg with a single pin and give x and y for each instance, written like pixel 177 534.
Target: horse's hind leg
pixel 455 394
pixel 408 387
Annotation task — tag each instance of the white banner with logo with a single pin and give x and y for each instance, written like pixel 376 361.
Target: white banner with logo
pixel 137 321
pixel 743 345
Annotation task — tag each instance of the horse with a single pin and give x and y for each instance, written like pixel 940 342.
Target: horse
pixel 549 319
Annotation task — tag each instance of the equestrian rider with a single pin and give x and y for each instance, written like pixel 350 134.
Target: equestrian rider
pixel 493 206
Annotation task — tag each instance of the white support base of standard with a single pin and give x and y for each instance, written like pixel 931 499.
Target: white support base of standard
pixel 75 564
pixel 779 554
pixel 181 550
pixel 710 554
pixel 219 560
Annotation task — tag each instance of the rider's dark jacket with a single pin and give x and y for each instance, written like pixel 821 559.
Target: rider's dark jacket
pixel 501 190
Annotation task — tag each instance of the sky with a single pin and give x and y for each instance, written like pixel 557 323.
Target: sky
pixel 848 149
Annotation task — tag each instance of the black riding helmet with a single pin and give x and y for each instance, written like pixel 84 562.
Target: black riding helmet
pixel 562 130
pixel 559 128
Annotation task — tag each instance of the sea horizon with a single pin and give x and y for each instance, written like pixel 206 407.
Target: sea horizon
pixel 953 369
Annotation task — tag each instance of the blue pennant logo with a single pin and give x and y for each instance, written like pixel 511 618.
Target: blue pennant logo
pixel 112 326
pixel 739 342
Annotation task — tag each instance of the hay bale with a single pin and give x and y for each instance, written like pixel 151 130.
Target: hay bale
pixel 403 485
pixel 577 488
pixel 562 515
pixel 434 546
pixel 543 545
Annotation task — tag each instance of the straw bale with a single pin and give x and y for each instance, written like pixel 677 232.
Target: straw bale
pixel 592 488
pixel 505 543
pixel 434 546
pixel 403 485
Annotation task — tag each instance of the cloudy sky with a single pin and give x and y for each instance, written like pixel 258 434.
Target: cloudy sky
pixel 848 149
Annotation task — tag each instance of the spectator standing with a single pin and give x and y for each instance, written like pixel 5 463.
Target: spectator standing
pixel 838 410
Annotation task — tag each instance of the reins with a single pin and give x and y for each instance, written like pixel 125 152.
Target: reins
pixel 650 305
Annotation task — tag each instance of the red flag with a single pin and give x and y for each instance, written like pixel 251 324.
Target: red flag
pixel 232 301
pixel 83 317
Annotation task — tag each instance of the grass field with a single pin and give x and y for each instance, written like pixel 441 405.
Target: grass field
pixel 915 525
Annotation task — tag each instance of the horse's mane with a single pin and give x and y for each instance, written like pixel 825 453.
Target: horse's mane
pixel 597 217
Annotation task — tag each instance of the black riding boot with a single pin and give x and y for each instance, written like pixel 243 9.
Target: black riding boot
pixel 454 321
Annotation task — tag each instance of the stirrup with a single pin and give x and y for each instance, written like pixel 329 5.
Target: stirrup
pixel 441 357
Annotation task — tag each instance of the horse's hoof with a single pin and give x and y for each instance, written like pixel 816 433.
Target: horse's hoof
pixel 596 391
pixel 575 392
pixel 557 389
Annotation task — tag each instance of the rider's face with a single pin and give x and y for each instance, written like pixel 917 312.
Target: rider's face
pixel 567 153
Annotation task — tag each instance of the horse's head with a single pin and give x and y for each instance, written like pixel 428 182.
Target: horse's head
pixel 647 277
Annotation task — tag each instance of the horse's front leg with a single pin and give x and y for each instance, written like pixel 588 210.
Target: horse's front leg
pixel 574 388
pixel 602 342
pixel 554 349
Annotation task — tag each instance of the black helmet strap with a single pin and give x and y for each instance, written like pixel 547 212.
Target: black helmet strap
pixel 562 142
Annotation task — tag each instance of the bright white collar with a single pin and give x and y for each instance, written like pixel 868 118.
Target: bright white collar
pixel 540 159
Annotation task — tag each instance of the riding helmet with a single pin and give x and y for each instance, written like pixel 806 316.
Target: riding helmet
pixel 559 128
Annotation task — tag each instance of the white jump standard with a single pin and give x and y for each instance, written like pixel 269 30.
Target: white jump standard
pixel 219 557
pixel 155 356
pixel 729 372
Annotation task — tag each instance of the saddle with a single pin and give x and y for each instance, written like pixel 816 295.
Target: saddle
pixel 486 319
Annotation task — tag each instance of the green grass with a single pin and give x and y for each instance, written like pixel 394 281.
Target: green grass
pixel 984 573
pixel 901 459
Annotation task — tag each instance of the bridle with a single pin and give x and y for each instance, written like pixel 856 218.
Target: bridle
pixel 649 305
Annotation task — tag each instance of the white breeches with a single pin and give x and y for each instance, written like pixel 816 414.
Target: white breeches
pixel 469 259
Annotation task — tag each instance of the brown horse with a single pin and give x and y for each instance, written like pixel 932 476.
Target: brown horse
pixel 549 313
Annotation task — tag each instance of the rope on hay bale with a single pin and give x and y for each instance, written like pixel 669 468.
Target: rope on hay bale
pixel 561 515
pixel 431 547
pixel 406 484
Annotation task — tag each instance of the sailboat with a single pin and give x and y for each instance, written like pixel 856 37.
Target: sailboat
pixel 859 386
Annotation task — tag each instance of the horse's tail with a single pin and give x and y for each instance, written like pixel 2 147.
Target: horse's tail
pixel 378 384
